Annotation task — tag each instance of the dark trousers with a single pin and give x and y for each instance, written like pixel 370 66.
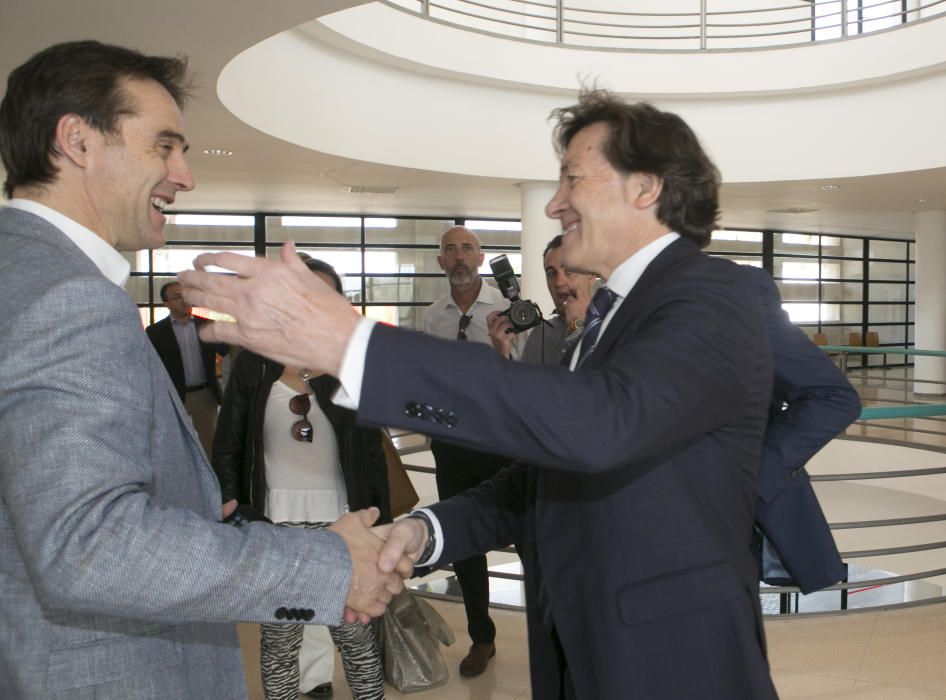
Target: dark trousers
pixel 459 469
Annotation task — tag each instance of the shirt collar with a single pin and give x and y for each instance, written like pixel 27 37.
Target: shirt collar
pixel 109 261
pixel 481 297
pixel 626 275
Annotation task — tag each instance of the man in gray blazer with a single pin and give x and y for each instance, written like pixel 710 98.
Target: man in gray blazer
pixel 118 580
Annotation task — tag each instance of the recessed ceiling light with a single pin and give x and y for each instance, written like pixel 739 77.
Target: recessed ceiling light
pixel 830 188
pixel 217 152
pixel 920 201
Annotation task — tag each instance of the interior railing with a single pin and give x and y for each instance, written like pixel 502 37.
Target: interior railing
pixel 872 415
pixel 701 25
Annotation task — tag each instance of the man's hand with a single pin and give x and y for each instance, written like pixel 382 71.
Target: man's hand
pixel 371 589
pixel 283 311
pixel 500 333
pixel 228 508
pixel 406 540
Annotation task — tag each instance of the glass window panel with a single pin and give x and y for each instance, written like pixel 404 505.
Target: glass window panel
pixel 404 316
pixel 424 290
pixel 886 313
pixel 842 247
pixel 795 243
pixel 880 291
pixel 174 258
pixel 886 271
pixel 137 288
pixel 891 335
pixel 796 268
pixel 911 294
pixel 314 229
pixel 911 310
pixel 210 227
pixel 851 270
pixel 833 269
pixel 346 261
pixel 798 291
pixel 912 272
pixel 842 291
pixel 735 242
pixel 910 339
pixel 412 231
pixel 740 260
pixel 496 233
pixel 895 250
pixel 392 289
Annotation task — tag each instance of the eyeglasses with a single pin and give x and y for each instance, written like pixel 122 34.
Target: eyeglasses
pixel 461 328
pixel 302 428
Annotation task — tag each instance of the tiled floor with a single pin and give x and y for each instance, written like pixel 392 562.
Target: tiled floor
pixel 875 655
pixel 888 655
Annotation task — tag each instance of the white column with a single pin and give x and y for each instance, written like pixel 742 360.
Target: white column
pixel 930 312
pixel 537 231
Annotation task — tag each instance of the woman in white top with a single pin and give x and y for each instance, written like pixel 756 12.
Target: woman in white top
pixel 285 449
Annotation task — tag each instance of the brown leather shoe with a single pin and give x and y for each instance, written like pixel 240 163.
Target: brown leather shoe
pixel 475 662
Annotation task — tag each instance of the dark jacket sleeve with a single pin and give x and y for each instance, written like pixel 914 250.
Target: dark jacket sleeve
pixel 812 401
pixel 229 446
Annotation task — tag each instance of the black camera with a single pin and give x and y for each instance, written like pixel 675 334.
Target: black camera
pixel 523 314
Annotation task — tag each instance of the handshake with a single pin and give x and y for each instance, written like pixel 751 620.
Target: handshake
pixel 382 558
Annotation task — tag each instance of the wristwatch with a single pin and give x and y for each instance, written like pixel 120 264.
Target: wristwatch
pixel 431 536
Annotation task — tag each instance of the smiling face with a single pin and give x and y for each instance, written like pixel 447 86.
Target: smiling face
pixel 136 173
pixel 460 256
pixel 606 215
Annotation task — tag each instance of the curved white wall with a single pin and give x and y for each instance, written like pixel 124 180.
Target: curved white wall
pixel 310 93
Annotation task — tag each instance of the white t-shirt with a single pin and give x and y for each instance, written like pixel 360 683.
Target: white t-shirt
pixel 304 479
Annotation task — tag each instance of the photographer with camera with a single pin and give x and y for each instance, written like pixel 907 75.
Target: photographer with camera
pixel 571 293
pixel 461 314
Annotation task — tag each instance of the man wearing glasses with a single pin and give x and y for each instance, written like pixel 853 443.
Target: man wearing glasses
pixel 462 314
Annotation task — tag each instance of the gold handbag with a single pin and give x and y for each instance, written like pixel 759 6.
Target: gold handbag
pixel 411 633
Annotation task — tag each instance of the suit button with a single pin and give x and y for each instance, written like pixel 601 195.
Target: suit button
pixel 308 615
pixel 412 409
pixel 282 614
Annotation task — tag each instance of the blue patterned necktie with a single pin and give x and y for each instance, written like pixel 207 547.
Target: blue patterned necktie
pixel 597 310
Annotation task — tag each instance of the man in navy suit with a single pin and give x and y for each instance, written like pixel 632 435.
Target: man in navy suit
pixel 634 500
pixel 812 402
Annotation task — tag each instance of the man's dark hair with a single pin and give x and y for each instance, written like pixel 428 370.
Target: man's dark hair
pixel 164 290
pixel 317 265
pixel 552 245
pixel 644 139
pixel 79 77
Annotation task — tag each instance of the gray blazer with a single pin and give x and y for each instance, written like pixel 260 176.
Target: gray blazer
pixel 116 578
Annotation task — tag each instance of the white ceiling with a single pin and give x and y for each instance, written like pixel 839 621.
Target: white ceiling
pixel 269 174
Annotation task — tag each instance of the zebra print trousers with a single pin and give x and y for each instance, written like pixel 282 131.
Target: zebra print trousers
pixel 356 643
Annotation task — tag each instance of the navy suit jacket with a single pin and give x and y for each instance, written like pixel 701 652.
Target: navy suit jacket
pixel 161 335
pixel 634 505
pixel 812 402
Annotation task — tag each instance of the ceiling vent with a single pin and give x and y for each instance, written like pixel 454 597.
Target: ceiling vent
pixel 372 189
pixel 792 210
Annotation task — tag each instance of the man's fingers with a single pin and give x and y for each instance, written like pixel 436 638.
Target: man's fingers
pixel 243 265
pixel 228 333
pixel 368 516
pixel 400 540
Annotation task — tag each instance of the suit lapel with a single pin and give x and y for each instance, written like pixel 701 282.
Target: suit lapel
pixel 636 300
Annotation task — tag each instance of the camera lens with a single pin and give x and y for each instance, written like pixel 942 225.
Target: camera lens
pixel 523 315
